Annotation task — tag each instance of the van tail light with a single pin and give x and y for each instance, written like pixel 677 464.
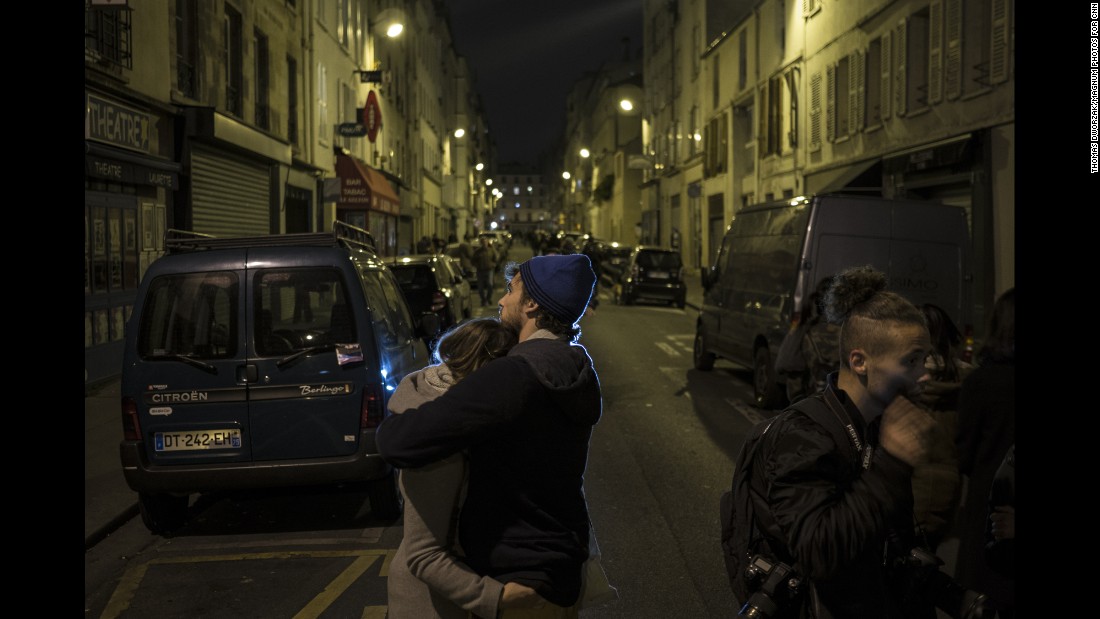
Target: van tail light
pixel 373 409
pixel 967 353
pixel 131 427
pixel 439 301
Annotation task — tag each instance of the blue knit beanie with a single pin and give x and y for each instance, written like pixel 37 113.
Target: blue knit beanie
pixel 560 284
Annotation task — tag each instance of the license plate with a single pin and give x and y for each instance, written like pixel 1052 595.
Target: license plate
pixel 198 439
pixel 658 274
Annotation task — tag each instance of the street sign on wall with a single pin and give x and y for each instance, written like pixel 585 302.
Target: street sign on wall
pixel 372 116
pixel 351 130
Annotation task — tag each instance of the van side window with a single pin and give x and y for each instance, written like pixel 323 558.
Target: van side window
pixel 399 308
pixel 194 315
pixel 301 308
pixel 389 310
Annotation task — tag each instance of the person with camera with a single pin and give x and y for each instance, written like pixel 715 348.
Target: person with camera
pixel 837 508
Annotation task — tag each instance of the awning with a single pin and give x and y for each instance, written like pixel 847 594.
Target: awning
pixel 361 186
pixel 844 177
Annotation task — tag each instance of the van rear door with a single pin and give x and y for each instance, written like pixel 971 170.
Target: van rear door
pixel 190 340
pixel 305 374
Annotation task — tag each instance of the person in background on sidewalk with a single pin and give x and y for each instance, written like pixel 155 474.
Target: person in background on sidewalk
pixel 936 483
pixel 485 262
pixel 987 428
pixel 426 579
pixel 526 421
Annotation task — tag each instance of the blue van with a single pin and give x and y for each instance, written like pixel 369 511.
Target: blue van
pixel 774 255
pixel 263 362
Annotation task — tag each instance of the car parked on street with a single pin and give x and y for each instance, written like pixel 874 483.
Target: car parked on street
pixel 263 362
pixel 430 285
pixel 652 274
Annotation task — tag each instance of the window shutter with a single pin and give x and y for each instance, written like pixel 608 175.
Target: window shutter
pixel 830 103
pixel 886 61
pixel 815 112
pixel 952 72
pixel 901 92
pixel 853 91
pixel 859 121
pixel 998 39
pixel 762 131
pixel 935 51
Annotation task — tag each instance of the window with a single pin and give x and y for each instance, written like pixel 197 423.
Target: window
pixel 693 141
pixel 322 103
pixel 838 99
pixel 771 120
pixel 717 145
pixel 911 63
pixel 186 48
pixel 743 59
pixel 107 35
pixel 263 80
pixel 976 38
pixel 232 57
pixel 343 21
pixel 875 82
pixel 716 81
pixel 292 100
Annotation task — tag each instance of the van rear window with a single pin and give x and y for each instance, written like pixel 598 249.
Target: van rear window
pixel 193 315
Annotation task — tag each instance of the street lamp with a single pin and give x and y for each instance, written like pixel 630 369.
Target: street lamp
pixel 460 132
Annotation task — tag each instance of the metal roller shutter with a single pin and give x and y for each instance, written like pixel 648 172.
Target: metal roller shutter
pixel 229 196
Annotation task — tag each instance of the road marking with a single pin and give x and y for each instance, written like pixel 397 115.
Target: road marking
pixel 131 580
pixel 669 350
pixel 336 588
pixel 374 612
pixel 746 411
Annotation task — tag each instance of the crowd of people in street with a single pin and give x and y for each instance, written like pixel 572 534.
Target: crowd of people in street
pixel 492 443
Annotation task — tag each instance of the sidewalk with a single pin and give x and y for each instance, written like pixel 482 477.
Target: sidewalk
pixel 109 502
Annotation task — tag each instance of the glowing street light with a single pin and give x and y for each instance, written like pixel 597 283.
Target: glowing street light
pixel 626 105
pixel 460 132
pixel 584 152
pixel 566 175
pixel 479 167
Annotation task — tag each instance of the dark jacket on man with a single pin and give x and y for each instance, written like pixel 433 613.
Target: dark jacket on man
pixel 835 516
pixel 526 420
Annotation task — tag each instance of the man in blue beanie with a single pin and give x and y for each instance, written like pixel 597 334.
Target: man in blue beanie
pixel 525 421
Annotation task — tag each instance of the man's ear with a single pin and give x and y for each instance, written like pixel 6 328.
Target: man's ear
pixel 857 360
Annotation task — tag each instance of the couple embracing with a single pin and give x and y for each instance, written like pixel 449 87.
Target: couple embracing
pixel 496 436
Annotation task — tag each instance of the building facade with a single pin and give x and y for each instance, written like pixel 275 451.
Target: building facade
pixel 246 117
pixel 909 99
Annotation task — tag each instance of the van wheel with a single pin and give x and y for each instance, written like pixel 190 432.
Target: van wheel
pixel 767 392
pixel 702 359
pixel 386 501
pixel 163 514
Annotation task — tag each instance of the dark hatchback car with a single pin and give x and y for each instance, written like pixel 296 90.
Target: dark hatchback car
pixel 653 274
pixel 263 362
pixel 428 286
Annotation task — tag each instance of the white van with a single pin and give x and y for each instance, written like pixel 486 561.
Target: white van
pixel 773 255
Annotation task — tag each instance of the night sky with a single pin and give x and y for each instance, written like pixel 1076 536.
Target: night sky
pixel 526 55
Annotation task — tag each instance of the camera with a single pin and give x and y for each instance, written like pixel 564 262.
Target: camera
pixel 925 580
pixel 774 585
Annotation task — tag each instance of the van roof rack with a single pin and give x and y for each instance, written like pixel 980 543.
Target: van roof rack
pixel 343 234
